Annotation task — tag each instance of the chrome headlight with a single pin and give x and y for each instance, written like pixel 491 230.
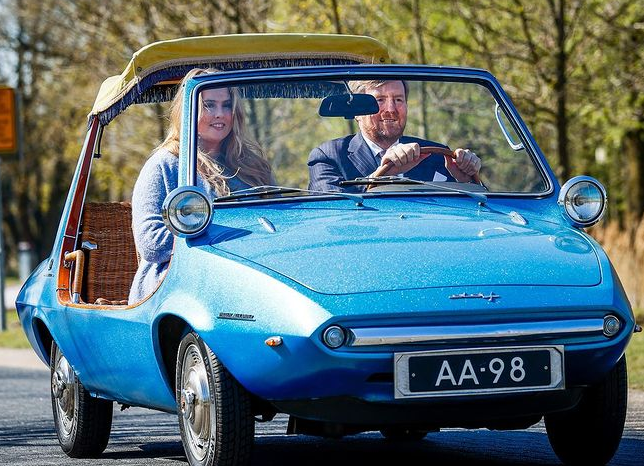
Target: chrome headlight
pixel 583 201
pixel 186 211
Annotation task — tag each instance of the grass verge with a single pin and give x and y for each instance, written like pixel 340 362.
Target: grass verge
pixel 635 355
pixel 635 361
pixel 13 337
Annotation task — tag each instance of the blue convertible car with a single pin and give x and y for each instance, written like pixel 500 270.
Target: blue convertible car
pixel 348 298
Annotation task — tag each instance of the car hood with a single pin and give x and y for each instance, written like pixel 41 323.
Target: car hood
pixel 349 250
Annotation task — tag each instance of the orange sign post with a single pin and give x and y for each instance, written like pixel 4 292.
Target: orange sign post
pixel 8 145
pixel 8 127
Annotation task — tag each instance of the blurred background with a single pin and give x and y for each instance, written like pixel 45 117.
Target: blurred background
pixel 574 69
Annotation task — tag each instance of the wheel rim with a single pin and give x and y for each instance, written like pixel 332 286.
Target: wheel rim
pixel 63 389
pixel 196 406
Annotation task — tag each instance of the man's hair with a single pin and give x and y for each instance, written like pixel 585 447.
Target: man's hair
pixel 360 87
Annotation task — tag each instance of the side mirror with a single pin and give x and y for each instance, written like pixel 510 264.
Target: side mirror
pixel 348 105
pixel 582 200
pixel 186 211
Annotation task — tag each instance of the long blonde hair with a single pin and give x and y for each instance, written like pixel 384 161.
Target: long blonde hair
pixel 241 153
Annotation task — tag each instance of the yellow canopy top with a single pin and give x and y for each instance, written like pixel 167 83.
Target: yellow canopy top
pixel 170 60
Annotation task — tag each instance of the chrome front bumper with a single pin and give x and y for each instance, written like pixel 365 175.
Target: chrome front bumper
pixel 381 336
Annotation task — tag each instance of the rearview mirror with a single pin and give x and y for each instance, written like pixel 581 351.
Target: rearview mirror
pixel 348 105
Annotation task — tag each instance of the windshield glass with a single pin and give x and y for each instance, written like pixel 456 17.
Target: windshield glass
pixel 362 136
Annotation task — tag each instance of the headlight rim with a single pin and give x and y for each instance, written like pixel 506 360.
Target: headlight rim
pixel 563 197
pixel 170 222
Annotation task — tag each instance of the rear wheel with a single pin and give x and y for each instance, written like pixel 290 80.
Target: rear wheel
pixel 83 423
pixel 215 418
pixel 589 434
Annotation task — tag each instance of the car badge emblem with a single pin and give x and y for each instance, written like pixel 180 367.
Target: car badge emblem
pixel 490 297
pixel 235 316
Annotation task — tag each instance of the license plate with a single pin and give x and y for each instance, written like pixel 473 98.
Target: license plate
pixel 478 371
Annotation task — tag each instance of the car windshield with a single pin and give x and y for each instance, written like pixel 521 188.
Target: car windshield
pixel 313 137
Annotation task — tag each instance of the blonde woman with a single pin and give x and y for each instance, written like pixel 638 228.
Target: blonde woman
pixel 228 160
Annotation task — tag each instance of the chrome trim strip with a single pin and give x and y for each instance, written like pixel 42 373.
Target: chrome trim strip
pixel 504 130
pixel 374 336
pixel 401 372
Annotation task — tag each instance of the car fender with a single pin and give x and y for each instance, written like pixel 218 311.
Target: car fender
pixel 236 325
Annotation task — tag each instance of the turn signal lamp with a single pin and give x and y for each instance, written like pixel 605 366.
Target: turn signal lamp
pixel 273 341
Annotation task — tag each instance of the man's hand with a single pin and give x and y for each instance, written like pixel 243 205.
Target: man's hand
pixel 465 166
pixel 401 158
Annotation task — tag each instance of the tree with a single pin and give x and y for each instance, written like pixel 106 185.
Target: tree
pixel 620 77
pixel 59 48
pixel 560 60
pixel 39 35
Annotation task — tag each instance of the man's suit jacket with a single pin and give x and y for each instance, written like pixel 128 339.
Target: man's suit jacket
pixel 350 157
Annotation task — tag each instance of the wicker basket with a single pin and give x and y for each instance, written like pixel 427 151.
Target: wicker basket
pixel 110 268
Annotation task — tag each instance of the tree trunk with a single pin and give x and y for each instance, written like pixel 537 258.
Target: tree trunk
pixel 336 16
pixel 338 29
pixel 633 151
pixel 561 91
pixel 418 30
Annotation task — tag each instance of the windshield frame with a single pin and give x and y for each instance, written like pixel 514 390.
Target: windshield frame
pixel 355 72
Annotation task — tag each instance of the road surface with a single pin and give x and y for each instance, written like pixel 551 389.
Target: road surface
pixel 144 437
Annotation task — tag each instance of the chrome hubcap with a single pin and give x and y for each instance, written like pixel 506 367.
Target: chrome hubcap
pixel 63 389
pixel 58 385
pixel 188 404
pixel 197 409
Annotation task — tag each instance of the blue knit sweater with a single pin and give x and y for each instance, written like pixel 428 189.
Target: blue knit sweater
pixel 154 242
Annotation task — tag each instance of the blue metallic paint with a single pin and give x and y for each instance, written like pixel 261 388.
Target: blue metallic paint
pixel 437 242
pixel 107 347
pixel 361 268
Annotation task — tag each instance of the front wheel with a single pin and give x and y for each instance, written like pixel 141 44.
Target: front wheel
pixel 83 423
pixel 215 418
pixel 589 434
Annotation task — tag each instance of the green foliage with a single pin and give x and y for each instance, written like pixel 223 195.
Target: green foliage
pixel 575 70
pixel 635 355
pixel 463 115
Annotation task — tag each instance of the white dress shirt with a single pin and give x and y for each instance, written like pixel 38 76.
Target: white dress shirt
pixel 378 151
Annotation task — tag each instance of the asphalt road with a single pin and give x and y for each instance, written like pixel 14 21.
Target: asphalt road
pixel 144 437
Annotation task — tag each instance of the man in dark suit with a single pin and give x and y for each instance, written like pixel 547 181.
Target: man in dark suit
pixel 380 143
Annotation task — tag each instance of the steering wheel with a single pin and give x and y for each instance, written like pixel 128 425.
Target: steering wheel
pixel 425 151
